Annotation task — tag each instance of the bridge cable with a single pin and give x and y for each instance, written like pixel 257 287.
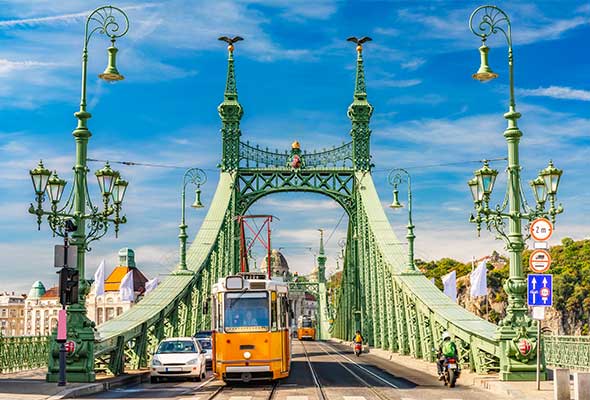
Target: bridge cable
pixel 446 164
pixel 336 227
pixel 140 164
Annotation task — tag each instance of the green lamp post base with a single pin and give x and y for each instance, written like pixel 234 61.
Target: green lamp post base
pixel 80 362
pixel 518 354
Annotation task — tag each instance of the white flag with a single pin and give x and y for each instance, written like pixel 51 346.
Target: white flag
pixel 450 285
pixel 432 280
pixel 151 285
pixel 478 278
pixel 99 280
pixel 126 288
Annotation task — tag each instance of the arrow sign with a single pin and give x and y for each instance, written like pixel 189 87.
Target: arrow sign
pixel 543 296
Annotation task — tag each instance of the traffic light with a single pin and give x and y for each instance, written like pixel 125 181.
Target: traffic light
pixel 68 286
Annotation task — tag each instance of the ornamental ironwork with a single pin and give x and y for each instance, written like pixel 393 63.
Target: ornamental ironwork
pixel 253 156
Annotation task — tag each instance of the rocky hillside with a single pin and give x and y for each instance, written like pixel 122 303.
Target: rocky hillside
pixel 570 314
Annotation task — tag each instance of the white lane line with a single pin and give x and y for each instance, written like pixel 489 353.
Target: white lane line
pixel 240 398
pixel 363 368
pixel 297 397
pixel 353 397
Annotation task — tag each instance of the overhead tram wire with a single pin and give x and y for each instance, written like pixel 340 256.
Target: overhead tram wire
pixel 153 165
pixel 467 162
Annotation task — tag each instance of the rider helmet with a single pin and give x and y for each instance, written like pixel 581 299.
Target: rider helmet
pixel 446 335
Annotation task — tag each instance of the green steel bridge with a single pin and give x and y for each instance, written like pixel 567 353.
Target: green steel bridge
pixel 397 308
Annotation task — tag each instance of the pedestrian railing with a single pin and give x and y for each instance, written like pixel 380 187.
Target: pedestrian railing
pixel 568 352
pixel 20 353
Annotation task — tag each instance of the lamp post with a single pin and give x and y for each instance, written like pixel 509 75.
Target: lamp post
pixel 197 177
pixel 516 331
pixel 395 177
pixel 78 213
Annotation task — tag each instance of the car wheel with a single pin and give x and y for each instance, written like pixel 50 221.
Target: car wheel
pixel 153 379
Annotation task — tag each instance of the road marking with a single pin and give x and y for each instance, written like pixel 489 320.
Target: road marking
pixel 363 368
pixel 297 397
pixel 240 398
pixel 353 397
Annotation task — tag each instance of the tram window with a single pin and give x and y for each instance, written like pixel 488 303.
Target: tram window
pixel 246 310
pixel 273 313
pixel 283 311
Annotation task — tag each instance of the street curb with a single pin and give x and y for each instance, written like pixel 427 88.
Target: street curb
pixel 98 387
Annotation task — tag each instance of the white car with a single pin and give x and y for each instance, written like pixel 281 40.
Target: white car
pixel 206 345
pixel 180 357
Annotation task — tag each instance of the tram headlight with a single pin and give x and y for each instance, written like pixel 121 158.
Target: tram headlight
pixel 193 361
pixel 156 362
pixel 247 355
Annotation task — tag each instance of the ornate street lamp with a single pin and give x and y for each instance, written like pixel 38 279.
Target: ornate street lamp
pixel 516 326
pixel 78 214
pixel 395 177
pixel 197 177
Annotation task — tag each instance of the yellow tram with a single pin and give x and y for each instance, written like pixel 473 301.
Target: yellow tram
pixel 306 328
pixel 250 320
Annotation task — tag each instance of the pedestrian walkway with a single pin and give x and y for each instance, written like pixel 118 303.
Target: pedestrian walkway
pixel 31 385
pixel 416 368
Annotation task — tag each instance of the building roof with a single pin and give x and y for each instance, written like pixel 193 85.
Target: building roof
pixel 278 263
pixel 37 290
pixel 52 293
pixel 113 281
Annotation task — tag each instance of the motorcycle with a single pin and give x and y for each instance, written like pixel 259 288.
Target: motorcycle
pixel 358 349
pixel 451 371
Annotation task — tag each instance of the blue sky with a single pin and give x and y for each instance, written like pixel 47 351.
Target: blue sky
pixel 295 76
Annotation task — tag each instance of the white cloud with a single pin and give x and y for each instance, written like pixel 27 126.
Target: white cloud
pixel 413 64
pixel 557 92
pixel 387 31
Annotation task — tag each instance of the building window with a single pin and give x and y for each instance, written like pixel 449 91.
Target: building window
pixel 119 310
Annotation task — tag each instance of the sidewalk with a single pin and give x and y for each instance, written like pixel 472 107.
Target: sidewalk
pixel 491 382
pixel 31 385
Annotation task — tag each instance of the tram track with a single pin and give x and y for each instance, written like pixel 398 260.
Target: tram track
pixel 220 389
pixel 336 357
pixel 319 388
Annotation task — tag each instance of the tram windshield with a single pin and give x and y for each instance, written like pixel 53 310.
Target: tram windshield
pixel 246 310
pixel 307 323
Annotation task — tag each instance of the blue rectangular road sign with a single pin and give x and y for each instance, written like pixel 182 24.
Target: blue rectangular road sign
pixel 540 290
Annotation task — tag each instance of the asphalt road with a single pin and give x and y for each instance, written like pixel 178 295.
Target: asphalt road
pixel 320 371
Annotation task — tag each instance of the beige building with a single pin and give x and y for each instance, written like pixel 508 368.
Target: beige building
pixel 41 308
pixel 109 305
pixel 12 314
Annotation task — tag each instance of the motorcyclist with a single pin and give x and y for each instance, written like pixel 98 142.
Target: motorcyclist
pixel 447 348
pixel 358 338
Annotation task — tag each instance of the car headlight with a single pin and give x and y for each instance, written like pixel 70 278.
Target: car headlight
pixel 193 361
pixel 156 362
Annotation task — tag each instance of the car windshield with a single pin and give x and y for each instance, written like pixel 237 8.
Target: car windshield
pixel 246 310
pixel 205 344
pixel 176 346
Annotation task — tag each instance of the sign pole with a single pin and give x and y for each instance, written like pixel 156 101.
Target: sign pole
pixel 539 355
pixel 62 325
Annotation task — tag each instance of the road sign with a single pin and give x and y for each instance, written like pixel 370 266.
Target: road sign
pixel 60 256
pixel 540 290
pixel 540 261
pixel 538 313
pixel 541 229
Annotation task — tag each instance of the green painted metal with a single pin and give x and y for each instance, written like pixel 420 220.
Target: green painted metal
pixel 567 352
pixel 396 310
pixel 197 177
pixel 517 326
pixel 91 223
pixel 20 353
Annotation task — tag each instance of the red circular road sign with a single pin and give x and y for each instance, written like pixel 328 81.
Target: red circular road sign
pixel 541 229
pixel 540 261
pixel 544 292
pixel 70 346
